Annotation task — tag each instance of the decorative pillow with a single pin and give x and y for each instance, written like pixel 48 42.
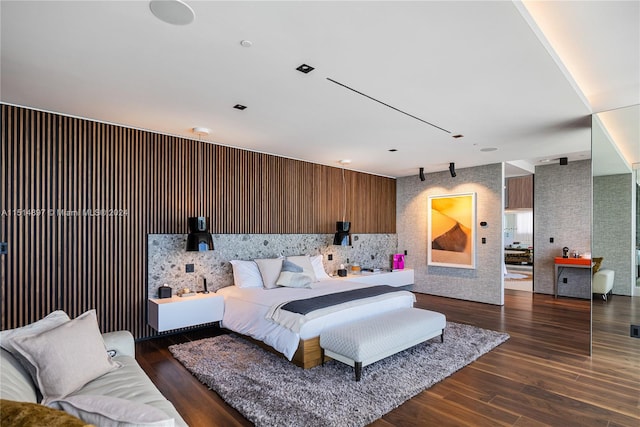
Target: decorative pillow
pixel 293 276
pixel 29 414
pixel 67 357
pixel 269 270
pixel 597 264
pixel 318 267
pixel 305 262
pixel 246 274
pixel 52 320
pixel 106 411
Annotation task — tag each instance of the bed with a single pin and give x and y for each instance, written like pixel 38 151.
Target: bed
pixel 248 311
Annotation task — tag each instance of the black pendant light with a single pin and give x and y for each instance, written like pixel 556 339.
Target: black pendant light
pixel 199 238
pixel 342 236
pixel 343 228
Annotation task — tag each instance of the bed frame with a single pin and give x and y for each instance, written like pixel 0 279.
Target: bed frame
pixel 306 356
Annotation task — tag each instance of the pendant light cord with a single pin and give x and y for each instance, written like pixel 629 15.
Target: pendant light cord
pixel 344 195
pixel 200 183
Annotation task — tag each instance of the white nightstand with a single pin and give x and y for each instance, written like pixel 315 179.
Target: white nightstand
pixel 176 312
pixel 392 278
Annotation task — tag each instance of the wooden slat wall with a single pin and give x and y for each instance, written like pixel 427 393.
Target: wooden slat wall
pixel 54 165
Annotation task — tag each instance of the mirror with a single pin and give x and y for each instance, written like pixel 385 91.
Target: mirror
pixel 616 221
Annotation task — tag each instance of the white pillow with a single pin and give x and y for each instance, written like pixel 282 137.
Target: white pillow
pixel 67 357
pixel 318 267
pixel 52 320
pixel 305 262
pixel 293 276
pixel 246 274
pixel 269 270
pixel 106 411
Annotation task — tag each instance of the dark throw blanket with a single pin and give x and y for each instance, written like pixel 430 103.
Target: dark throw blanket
pixel 307 305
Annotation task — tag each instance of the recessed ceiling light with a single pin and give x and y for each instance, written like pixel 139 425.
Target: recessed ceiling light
pixel 487 149
pixel 545 160
pixel 239 107
pixel 304 68
pixel 457 136
pixel 246 43
pixel 344 161
pixel 393 150
pixel 174 12
pixel 201 131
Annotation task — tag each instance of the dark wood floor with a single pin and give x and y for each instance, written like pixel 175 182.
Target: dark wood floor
pixel 542 376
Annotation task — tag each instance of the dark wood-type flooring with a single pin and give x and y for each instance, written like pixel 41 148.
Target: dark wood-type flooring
pixel 541 376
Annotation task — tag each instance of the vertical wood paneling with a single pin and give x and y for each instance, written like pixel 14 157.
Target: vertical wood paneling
pixel 79 198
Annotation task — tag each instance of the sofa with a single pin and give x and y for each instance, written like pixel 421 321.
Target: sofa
pixel 65 356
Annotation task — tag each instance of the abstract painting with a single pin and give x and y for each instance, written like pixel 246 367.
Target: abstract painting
pixel 452 231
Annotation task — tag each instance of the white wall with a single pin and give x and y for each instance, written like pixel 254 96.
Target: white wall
pixel 482 284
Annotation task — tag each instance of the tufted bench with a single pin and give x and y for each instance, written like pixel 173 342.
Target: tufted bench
pixel 365 341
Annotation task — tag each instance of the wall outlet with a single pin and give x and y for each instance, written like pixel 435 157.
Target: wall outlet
pixel 484 240
pixel 4 248
pixel 189 268
pixel 635 331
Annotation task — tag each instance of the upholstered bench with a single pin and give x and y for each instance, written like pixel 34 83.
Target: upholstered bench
pixel 365 341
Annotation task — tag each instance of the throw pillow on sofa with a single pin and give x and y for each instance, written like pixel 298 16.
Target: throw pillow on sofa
pixel 52 320
pixel 28 414
pixel 66 357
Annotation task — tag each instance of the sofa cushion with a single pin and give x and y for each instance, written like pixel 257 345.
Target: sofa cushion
pixel 66 357
pixel 106 411
pixel 15 382
pixel 130 382
pixel 28 414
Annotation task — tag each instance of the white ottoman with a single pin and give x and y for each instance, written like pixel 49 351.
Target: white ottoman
pixel 602 282
pixel 365 341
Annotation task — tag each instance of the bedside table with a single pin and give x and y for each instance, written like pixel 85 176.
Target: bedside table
pixel 177 312
pixel 396 278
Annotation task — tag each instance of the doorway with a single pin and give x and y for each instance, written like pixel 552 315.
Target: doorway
pixel 518 232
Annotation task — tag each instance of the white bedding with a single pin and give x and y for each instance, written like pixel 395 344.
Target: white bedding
pixel 246 311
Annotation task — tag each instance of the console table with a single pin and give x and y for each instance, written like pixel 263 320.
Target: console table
pixel 561 263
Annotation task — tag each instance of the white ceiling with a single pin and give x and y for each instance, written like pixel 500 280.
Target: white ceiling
pixel 483 69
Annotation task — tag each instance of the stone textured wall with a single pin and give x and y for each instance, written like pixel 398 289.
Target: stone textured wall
pixel 562 211
pixel 167 255
pixel 482 284
pixel 613 228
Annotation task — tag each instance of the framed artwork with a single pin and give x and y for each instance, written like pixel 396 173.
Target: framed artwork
pixel 451 230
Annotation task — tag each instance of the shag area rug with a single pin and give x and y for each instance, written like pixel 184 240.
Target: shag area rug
pixel 271 391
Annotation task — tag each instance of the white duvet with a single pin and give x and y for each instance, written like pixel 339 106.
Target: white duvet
pixel 247 311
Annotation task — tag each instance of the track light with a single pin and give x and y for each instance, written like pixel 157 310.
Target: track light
pixel 452 169
pixel 421 174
